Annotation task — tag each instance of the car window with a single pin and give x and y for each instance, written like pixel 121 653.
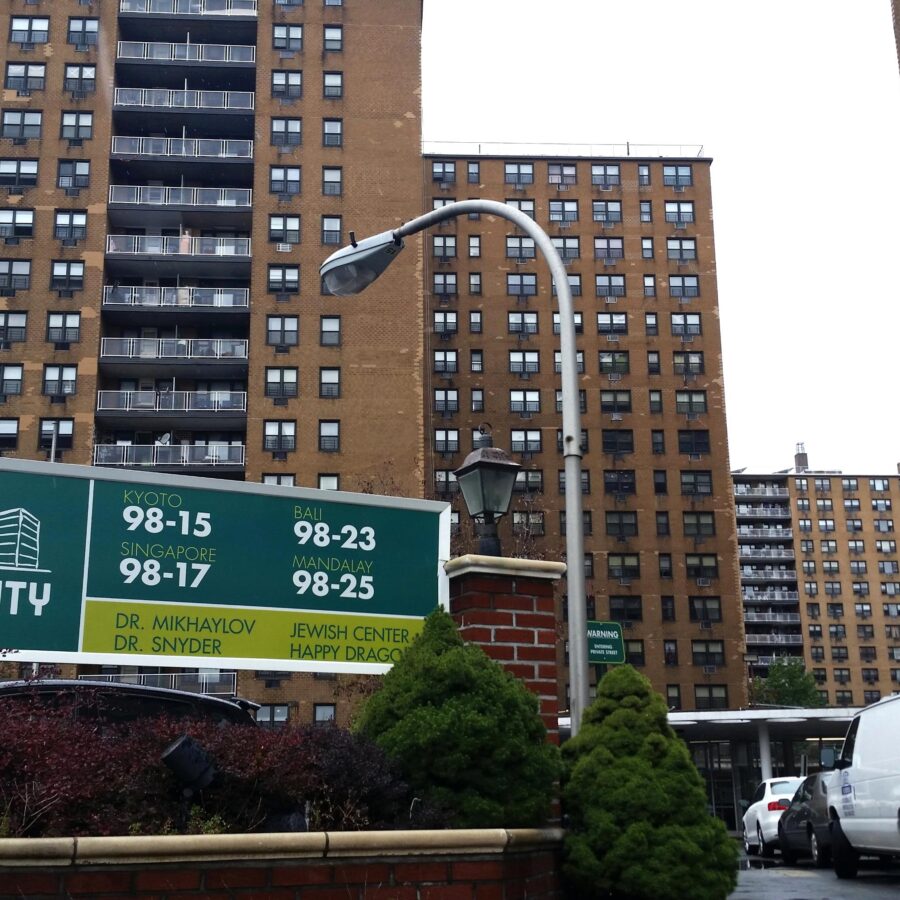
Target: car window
pixel 784 787
pixel 760 793
pixel 846 757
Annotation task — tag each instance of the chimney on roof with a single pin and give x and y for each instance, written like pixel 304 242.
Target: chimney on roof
pixel 801 460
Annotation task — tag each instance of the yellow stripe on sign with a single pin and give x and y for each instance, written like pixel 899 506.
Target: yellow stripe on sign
pixel 168 629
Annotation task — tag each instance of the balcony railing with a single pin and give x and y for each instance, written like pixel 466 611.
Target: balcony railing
pixel 185 245
pixel 771 596
pixel 764 512
pixel 741 490
pixel 169 454
pixel 190 7
pixel 771 553
pixel 773 638
pixel 775 533
pixel 184 297
pixel 162 52
pixel 174 348
pixel 171 401
pixel 183 148
pixel 152 195
pixel 216 684
pixel 779 618
pixel 166 98
pixel 768 574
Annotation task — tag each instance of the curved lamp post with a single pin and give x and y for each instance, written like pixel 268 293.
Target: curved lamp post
pixel 352 269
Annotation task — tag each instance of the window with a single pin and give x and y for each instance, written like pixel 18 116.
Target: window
pixel 281 383
pixel 879 484
pixel 59 380
pixel 705 609
pixel 18 174
pixel 284 229
pixel 615 401
pixel 518 173
pixel 693 442
pixel 9 434
pixel 657 442
pixel 333 37
pixel 621 524
pixel 828 546
pixel 80 80
pixel 21 125
pixel 83 32
pixel 686 324
pixel 329 436
pixel 624 565
pixel 579 361
pixel 25 76
pixel 67 276
pixel 11 379
pixel 837 632
pixel 888 567
pixel 696 482
pixel 284 180
pixel 699 524
pixel 330 331
pixel 332 184
pixel 881 505
pixel 840 654
pixel 284 279
pixel 612 323
pixel 521 248
pixel 477 403
pixel 474 246
pixel 708 653
pixel 444 246
pixel 282 331
pixel 563 210
pixel 634 653
pixel 521 285
pixel 528 523
pixel 677 176
pixel 885 546
pixel 852 505
pixel 578 319
pixel 333 132
pixel 446 440
pixel 443 172
pixel 77 126
pixel 710 696
pixel 610 285
pixel 445 322
pixel 331 229
pixel 324 713
pixel 605 176
pixel 567 247
pixel 13 326
pixel 619 481
pixel 446 361
pixel 29 30
pixel 684 286
pixel 333 85
pixel 64 429
pixel 646 211
pixel 885 526
pixel 280 435
pixel 524 206
pixel 815 632
pixel 287 37
pixel 525 441
pixel 679 212
pixel 522 322
pixel 286 132
pixel 444 284
pixel 643 175
pixel 608 248
pixel 524 361
pixel 329 482
pixel 446 400
pixel 653 365
pixel 16 223
pixel 287 84
pixel 272 715
pixel 614 362
pixel 72 173
pixel 651 324
pixel 647 248
pixel 701 565
pixel 561 173
pixel 609 211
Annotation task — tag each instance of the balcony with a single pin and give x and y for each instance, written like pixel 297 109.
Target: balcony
pixel 183 245
pixel 190 357
pixel 172 409
pixel 771 597
pixel 180 299
pixel 763 512
pixel 742 490
pixel 159 51
pixel 777 618
pixel 170 456
pixel 189 7
pixel 749 575
pixel 775 534
pixel 768 553
pixel 152 195
pixel 166 98
pixel 180 255
pixel 785 639
pixel 214 684
pixel 181 149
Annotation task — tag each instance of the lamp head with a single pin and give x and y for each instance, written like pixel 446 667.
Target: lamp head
pixel 352 269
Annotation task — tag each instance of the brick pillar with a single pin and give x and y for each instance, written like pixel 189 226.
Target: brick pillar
pixel 506 607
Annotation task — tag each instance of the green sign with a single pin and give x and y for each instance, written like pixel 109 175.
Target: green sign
pixel 133 568
pixel 605 643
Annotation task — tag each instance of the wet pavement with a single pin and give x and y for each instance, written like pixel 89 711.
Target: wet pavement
pixel 770 879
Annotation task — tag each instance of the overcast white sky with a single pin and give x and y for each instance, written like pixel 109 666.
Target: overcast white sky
pixel 798 102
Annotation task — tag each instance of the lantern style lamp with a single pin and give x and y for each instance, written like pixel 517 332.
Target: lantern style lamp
pixel 486 479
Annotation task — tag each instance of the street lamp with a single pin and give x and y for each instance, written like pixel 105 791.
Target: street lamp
pixel 352 269
pixel 486 479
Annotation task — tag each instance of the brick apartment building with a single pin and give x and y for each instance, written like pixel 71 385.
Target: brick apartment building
pixel 172 174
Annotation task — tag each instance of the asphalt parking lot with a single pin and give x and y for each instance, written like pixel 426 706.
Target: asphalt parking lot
pixel 773 880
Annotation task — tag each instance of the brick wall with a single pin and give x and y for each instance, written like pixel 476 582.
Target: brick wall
pixel 506 607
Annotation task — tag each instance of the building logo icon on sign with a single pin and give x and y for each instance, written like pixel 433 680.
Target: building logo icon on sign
pixel 20 541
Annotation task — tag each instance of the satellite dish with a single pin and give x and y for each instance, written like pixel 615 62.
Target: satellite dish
pixel 166 438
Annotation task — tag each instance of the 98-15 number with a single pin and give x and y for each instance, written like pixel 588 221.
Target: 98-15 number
pixel 153 520
pixel 349 586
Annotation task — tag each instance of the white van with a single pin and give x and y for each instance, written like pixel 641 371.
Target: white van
pixel 864 796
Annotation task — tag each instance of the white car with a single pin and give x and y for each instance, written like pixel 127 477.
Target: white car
pixel 760 822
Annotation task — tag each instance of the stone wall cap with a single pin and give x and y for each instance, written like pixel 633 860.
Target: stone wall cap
pixel 473 563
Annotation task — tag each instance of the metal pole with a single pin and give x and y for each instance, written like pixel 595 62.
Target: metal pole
pixel 53 440
pixel 571 422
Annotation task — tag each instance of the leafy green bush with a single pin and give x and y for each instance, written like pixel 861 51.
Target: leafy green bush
pixel 466 734
pixel 638 821
pixel 62 775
